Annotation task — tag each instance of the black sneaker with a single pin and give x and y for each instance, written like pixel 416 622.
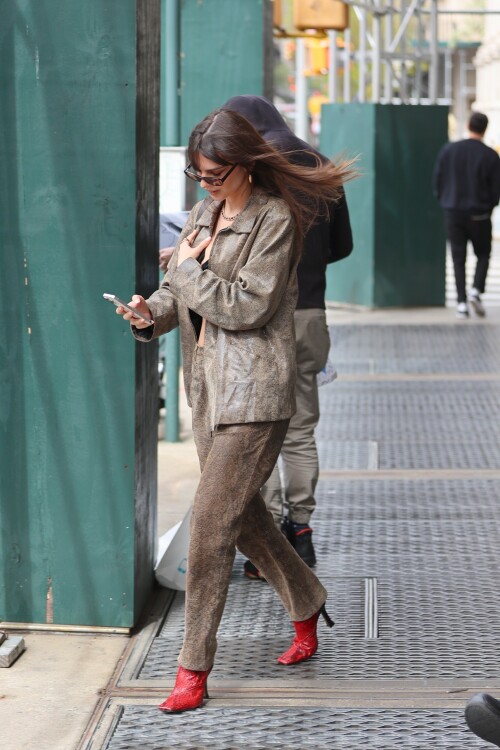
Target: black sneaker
pixel 252 572
pixel 303 544
pixel 288 530
pixel 476 304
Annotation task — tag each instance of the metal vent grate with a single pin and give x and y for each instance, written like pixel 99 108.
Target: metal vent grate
pixel 404 499
pixel 316 728
pixel 425 541
pixel 422 412
pixel 254 629
pixel 434 455
pixel 416 349
pixel 348 455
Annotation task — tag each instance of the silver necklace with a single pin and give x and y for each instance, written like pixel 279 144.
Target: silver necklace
pixel 228 218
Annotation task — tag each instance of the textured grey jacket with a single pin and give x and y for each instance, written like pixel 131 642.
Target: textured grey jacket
pixel 247 296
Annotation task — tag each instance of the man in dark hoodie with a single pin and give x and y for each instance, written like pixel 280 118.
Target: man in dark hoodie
pixel 326 242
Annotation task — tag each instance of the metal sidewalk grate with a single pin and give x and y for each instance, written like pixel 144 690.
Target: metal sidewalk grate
pixel 432 545
pixel 420 636
pixel 420 412
pixel 438 455
pixel 415 349
pixel 405 499
pixel 361 454
pixel 411 566
pixel 316 728
pixel 410 454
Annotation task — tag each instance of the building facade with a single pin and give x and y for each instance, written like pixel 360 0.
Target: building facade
pixel 487 62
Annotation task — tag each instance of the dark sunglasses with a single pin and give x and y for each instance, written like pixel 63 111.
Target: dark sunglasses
pixel 214 181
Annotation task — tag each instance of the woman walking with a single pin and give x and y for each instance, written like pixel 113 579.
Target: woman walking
pixel 231 287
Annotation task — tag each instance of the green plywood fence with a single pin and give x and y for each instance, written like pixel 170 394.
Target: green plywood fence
pixel 77 218
pixel 399 242
pixel 226 50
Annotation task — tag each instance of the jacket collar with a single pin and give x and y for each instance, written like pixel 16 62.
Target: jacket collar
pixel 243 224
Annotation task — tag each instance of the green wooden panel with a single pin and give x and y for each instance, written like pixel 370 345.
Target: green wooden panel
pixel 399 243
pixel 410 241
pixel 221 55
pixel 68 233
pixel 347 131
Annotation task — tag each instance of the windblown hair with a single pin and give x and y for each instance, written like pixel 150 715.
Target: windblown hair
pixel 226 137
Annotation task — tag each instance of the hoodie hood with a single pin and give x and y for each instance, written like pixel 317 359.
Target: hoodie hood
pixel 259 111
pixel 267 120
pixel 329 239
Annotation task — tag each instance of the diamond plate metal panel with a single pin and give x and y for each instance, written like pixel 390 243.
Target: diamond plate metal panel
pixel 347 455
pixel 404 499
pixel 438 455
pixel 294 729
pixel 430 411
pixel 352 455
pixel 433 546
pixel 421 636
pixel 254 627
pixel 416 349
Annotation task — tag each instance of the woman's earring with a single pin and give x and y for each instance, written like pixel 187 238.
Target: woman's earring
pixel 250 178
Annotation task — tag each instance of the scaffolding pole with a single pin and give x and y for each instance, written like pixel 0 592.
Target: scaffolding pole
pixel 377 52
pixel 433 78
pixel 332 71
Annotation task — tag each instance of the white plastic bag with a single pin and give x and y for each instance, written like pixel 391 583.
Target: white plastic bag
pixel 171 563
pixel 328 374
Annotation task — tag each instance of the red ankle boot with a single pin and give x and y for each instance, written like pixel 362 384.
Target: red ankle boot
pixel 305 643
pixel 188 693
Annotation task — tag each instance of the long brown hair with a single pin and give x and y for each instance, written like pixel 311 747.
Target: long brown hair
pixel 226 137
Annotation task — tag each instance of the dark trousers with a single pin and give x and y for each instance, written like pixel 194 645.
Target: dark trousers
pixel 460 228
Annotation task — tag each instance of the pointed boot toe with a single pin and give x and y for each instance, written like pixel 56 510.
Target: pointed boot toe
pixel 189 691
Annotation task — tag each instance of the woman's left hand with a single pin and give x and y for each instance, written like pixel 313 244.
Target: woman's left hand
pixel 187 251
pixel 139 304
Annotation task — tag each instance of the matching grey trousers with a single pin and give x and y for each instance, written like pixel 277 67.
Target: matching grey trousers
pixel 228 514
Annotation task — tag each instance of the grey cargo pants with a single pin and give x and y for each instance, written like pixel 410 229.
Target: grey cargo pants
pixel 299 453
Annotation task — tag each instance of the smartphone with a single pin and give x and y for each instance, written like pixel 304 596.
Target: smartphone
pixel 120 303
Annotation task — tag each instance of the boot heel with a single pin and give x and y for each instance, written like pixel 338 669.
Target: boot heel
pixel 326 617
pixel 205 692
pixel 305 643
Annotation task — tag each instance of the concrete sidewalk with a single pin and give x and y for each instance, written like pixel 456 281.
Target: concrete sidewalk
pixel 48 696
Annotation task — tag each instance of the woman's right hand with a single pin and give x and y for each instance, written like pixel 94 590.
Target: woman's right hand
pixel 186 250
pixel 139 304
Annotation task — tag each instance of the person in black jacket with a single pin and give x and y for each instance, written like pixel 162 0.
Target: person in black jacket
pixel 328 240
pixel 467 185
